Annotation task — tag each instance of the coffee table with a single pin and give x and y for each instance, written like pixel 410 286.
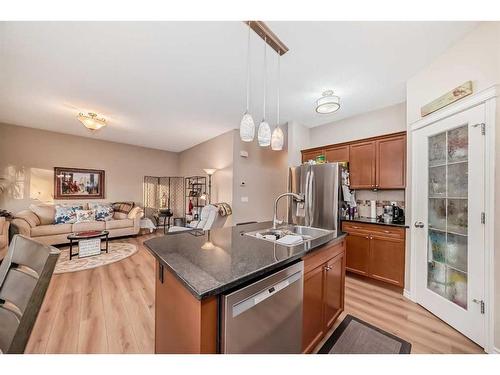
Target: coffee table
pixel 77 236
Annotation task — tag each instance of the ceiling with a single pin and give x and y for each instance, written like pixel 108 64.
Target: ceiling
pixel 172 85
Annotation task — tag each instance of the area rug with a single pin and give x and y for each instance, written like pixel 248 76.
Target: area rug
pixel 354 336
pixel 117 252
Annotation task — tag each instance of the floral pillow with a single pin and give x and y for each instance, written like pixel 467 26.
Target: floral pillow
pixel 83 216
pixel 66 214
pixel 103 211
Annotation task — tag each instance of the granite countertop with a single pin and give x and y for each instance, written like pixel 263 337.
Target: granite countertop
pixel 368 220
pixel 212 262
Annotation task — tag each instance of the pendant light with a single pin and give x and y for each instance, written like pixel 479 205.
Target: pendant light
pixel 247 125
pixel 278 138
pixel 264 133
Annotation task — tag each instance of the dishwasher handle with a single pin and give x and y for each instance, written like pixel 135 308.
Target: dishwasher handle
pixel 247 304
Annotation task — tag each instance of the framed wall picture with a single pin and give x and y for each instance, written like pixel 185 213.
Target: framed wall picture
pixel 76 183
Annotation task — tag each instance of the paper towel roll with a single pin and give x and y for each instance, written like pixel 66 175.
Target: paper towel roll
pixel 373 209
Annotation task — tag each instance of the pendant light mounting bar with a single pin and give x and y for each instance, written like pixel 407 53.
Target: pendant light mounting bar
pixel 262 30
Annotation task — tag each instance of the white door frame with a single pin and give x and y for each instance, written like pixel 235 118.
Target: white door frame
pixel 488 97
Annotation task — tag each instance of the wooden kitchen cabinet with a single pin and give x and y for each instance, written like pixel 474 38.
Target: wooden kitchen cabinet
pixel 387 260
pixel 362 165
pixel 311 155
pixel 376 251
pixel 324 283
pixel 313 327
pixel 335 154
pixel 357 252
pixel 374 163
pixel 391 163
pixel 334 289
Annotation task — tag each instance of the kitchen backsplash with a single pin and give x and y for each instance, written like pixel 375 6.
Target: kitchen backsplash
pixel 383 197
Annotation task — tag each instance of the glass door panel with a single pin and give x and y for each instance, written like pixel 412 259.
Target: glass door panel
pixel 447 215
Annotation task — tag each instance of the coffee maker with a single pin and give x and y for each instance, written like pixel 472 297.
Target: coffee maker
pixel 398 215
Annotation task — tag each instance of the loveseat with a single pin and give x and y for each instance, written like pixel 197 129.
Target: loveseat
pixel 38 223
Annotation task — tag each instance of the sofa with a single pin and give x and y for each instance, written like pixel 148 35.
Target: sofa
pixel 4 237
pixel 38 223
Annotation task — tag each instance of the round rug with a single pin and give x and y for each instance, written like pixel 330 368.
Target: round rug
pixel 117 252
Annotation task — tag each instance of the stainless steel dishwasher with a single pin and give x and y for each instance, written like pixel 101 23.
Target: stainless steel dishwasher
pixel 266 316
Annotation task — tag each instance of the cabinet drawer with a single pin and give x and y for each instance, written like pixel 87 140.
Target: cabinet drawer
pixel 374 229
pixel 320 256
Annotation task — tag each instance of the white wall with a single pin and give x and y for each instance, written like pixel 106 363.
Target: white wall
pixel 386 120
pixel 298 139
pixel 265 173
pixel 214 153
pixel 31 155
pixel 476 57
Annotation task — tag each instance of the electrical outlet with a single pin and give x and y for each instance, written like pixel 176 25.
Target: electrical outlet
pixel 244 199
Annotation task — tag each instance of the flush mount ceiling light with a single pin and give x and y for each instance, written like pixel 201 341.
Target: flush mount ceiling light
pixel 91 121
pixel 328 103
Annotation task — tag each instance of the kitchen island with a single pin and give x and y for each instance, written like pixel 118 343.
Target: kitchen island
pixel 195 269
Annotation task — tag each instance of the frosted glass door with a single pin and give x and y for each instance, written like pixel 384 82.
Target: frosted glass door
pixel 447 218
pixel 448 233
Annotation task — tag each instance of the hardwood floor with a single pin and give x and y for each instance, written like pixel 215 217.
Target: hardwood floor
pixel 110 309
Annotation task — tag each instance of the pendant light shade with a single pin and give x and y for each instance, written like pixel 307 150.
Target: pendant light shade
pixel 278 138
pixel 264 133
pixel 328 103
pixel 247 125
pixel 247 128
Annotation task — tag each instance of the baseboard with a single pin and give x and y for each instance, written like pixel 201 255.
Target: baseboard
pixel 407 294
pixel 495 350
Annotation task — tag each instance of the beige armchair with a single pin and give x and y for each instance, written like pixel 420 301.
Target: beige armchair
pixel 4 237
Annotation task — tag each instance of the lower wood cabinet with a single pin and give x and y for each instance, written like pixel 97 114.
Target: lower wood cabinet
pixel 376 251
pixel 324 283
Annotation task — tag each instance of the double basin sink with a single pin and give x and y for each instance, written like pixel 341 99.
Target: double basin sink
pixel 272 235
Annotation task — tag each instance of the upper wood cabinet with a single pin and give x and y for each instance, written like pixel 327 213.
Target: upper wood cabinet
pixel 362 165
pixel 311 155
pixel 391 163
pixel 334 154
pixel 374 163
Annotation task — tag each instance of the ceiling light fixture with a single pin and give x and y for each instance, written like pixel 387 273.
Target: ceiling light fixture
pixel 278 138
pixel 328 103
pixel 247 125
pixel 264 133
pixel 91 121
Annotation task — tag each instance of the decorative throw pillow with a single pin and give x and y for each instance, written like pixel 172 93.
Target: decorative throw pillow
pixel 103 211
pixel 66 214
pixel 83 216
pixel 45 212
pixel 120 216
pixel 124 207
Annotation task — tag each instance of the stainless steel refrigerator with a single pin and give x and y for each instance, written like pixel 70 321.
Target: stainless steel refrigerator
pixel 321 186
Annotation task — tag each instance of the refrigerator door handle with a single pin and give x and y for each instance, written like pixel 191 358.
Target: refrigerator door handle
pixel 306 197
pixel 311 198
